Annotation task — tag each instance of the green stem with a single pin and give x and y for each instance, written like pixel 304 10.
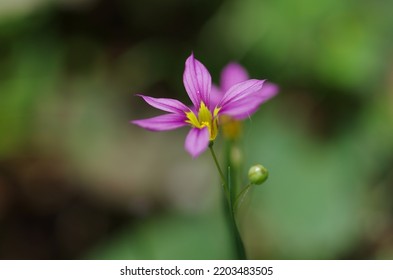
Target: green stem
pixel 240 196
pixel 241 254
pixel 224 184
pixel 240 251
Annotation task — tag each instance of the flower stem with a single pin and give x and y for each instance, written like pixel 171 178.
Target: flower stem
pixel 230 213
pixel 240 251
pixel 241 195
pixel 224 184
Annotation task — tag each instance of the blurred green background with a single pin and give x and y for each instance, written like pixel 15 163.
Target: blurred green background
pixel 78 181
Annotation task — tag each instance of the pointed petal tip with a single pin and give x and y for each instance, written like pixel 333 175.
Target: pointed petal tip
pixel 197 81
pixel 166 104
pixel 190 57
pixel 161 123
pixel 270 89
pixel 240 91
pixel 195 155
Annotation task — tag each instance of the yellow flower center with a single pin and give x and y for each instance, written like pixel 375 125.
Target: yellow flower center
pixel 204 119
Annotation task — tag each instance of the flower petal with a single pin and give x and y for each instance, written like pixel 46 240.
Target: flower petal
pixel 197 141
pixel 166 104
pixel 197 81
pixel 232 74
pixel 269 90
pixel 245 107
pixel 163 122
pixel 240 91
pixel 215 96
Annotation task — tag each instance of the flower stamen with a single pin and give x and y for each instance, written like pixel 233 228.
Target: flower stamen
pixel 205 119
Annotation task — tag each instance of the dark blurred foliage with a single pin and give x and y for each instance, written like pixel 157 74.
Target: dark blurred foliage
pixel 78 181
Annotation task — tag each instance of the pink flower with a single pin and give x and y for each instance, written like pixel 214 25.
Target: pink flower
pixel 240 98
pixel 232 74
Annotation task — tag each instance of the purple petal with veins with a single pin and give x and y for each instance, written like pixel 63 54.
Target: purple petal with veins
pixel 237 97
pixel 197 81
pixel 163 122
pixel 197 141
pixel 238 92
pixel 246 106
pixel 166 104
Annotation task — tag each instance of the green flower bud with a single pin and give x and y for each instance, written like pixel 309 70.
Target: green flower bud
pixel 257 174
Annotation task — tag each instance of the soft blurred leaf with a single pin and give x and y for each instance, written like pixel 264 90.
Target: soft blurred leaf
pixel 313 204
pixel 32 77
pixel 170 236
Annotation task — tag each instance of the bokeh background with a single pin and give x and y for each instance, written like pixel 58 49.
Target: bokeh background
pixel 77 181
